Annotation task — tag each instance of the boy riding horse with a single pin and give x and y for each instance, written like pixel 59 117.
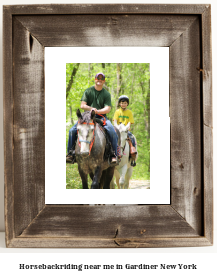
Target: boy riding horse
pixel 125 116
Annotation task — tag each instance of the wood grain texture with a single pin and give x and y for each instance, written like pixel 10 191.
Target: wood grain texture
pixel 207 119
pixel 65 9
pixel 109 221
pixel 186 30
pixel 29 129
pixel 69 242
pixel 208 182
pixel 185 113
pixel 107 30
pixel 8 125
pixel 206 68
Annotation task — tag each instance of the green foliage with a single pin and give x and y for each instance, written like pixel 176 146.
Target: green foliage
pixel 73 180
pixel 129 79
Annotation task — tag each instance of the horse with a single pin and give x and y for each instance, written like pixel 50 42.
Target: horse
pixel 89 151
pixel 124 170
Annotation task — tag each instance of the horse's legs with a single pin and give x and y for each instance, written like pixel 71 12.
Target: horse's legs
pixel 91 175
pixel 117 177
pixel 117 182
pixel 122 174
pixel 96 178
pixel 112 184
pixel 127 177
pixel 107 177
pixel 83 178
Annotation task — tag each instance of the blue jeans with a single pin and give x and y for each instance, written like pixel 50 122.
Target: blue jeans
pixel 130 135
pixel 113 137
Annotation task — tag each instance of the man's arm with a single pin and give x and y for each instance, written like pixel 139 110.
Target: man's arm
pixel 104 110
pixel 85 107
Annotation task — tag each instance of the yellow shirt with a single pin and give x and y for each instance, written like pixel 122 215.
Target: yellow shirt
pixel 123 116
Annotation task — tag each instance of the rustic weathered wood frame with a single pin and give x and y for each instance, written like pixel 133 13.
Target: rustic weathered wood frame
pixel 188 220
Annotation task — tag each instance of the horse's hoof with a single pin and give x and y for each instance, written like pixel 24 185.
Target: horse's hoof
pixel 94 186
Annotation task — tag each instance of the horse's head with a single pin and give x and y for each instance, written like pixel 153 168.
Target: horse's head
pixel 86 127
pixel 123 131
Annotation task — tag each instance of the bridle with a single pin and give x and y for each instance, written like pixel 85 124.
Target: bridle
pixel 89 142
pixel 123 148
pixel 93 138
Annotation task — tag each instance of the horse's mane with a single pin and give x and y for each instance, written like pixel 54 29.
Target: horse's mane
pixel 85 117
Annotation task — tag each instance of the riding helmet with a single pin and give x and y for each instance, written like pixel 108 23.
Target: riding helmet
pixel 123 98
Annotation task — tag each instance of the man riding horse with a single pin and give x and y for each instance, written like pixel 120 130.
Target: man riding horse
pixel 98 99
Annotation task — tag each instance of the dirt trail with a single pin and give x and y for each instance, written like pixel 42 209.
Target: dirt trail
pixel 139 184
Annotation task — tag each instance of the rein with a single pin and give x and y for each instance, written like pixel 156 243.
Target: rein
pixel 123 148
pixel 104 120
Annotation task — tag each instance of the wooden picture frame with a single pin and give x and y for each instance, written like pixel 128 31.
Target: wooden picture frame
pixel 186 30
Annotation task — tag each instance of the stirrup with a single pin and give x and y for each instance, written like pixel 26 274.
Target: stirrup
pixel 71 158
pixel 133 151
pixel 115 163
pixel 114 160
pixel 133 163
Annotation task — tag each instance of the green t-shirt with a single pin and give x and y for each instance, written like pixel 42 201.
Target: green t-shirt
pixel 97 99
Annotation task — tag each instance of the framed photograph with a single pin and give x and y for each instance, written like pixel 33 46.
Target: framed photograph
pixel 145 61
pixel 34 110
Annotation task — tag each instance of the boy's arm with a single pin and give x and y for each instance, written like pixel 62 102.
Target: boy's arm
pixel 131 118
pixel 115 118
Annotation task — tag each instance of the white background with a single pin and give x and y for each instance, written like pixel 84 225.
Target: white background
pixel 55 166
pixel 205 257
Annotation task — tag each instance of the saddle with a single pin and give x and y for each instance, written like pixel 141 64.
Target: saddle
pixel 133 152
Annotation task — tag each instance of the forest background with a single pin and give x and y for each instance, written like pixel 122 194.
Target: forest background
pixel 131 79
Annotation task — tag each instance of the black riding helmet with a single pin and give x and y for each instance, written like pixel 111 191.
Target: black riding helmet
pixel 123 98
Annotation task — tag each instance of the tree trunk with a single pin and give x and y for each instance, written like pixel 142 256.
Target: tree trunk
pixel 146 103
pixel 132 93
pixel 118 82
pixel 90 68
pixel 71 116
pixel 71 79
